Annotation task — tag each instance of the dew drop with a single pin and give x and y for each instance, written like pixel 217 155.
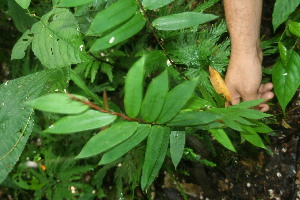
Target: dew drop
pixel 112 40
pixel 81 47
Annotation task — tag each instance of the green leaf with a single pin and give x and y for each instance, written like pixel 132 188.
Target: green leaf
pixel 260 127
pixel 248 104
pixel 251 136
pixel 134 88
pixel 108 138
pixel 57 42
pixel 18 51
pixel 182 20
pixel 73 3
pixel 177 142
pixel 127 30
pixel 176 99
pixel 155 97
pixel 286 80
pixel 284 53
pixel 282 10
pixel 58 103
pixel 16 118
pixel 249 113
pixel 193 118
pixel 118 151
pixel 155 4
pixel 157 145
pixel 294 28
pixel 221 136
pixel 88 120
pixel 196 103
pixel 23 3
pixel 231 123
pixel 112 16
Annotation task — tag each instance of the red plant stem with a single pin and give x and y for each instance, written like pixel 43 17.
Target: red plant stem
pixel 95 107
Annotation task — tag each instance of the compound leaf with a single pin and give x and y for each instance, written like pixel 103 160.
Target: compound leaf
pixel 58 103
pixel 127 30
pixel 157 145
pixel 134 88
pixel 177 142
pixel 176 99
pixel 221 136
pixel 118 151
pixel 193 118
pixel 112 16
pixel 108 138
pixel 251 136
pixel 155 4
pixel 155 97
pixel 182 20
pixel 88 120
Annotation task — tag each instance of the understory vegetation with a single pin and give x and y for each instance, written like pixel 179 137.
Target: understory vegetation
pixel 97 97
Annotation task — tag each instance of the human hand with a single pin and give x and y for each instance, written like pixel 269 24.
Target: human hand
pixel 243 79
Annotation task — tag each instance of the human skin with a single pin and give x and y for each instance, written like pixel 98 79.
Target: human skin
pixel 244 74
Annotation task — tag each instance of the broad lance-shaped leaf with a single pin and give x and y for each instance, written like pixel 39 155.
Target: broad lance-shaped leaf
pixel 88 120
pixel 182 20
pixel 58 103
pixel 157 146
pixel 176 99
pixel 282 10
pixel 251 136
pixel 155 4
pixel 118 151
pixel 72 3
pixel 23 3
pixel 134 88
pixel 193 118
pixel 127 30
pixel 221 136
pixel 286 79
pixel 16 118
pixel 155 97
pixel 108 138
pixel 56 40
pixel 112 16
pixel 177 142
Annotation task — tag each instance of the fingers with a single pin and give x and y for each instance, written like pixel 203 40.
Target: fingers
pixel 263 107
pixel 265 88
